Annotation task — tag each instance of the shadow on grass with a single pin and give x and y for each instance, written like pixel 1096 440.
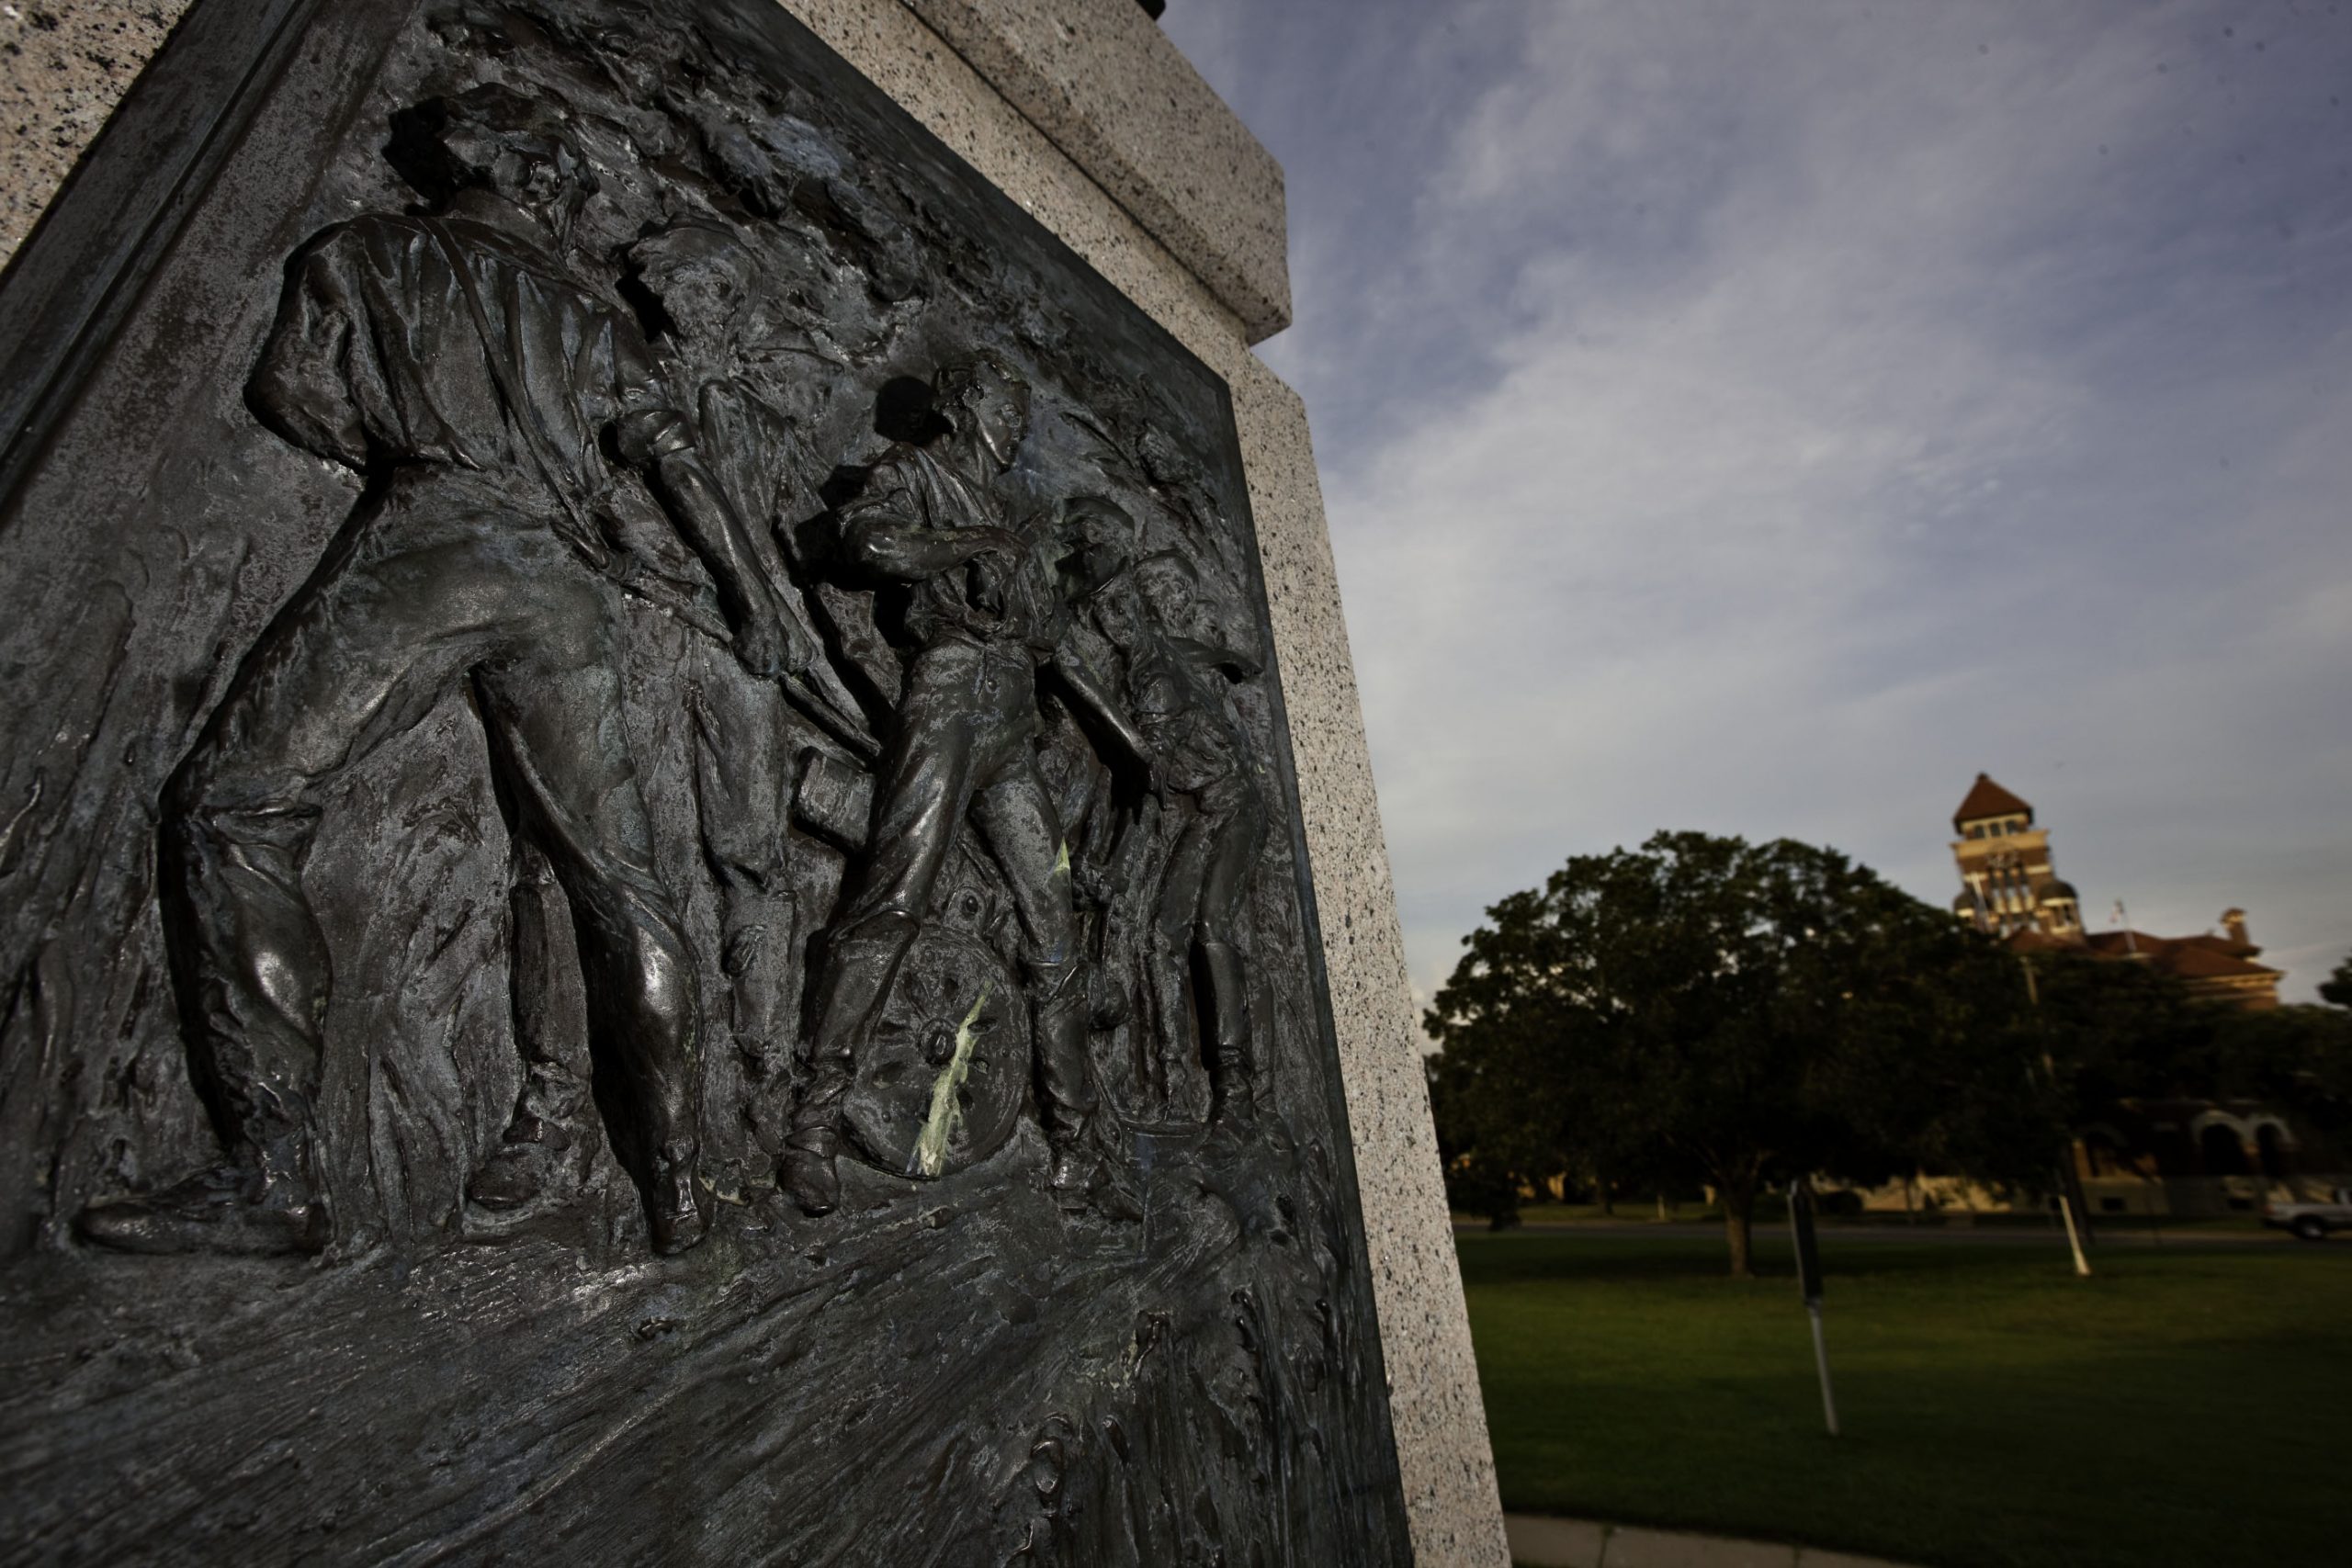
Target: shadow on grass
pixel 2182 1408
pixel 2094 1466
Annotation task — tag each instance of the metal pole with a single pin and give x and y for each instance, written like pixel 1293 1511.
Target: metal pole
pixel 2066 1170
pixel 2082 1264
pixel 1808 1249
pixel 1820 1360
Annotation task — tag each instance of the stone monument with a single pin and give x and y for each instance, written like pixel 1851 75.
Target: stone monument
pixel 689 868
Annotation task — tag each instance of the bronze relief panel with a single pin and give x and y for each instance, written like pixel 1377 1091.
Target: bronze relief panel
pixel 655 899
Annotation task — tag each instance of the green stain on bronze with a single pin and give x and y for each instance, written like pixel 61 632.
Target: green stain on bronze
pixel 1061 861
pixel 930 1146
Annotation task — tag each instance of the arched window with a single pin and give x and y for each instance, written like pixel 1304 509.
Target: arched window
pixel 2223 1151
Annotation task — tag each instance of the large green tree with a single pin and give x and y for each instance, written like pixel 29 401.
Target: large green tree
pixel 2118 1032
pixel 2115 1030
pixel 2337 986
pixel 1704 1008
pixel 2296 1058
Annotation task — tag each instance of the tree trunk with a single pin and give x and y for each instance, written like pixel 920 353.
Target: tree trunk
pixel 1739 1223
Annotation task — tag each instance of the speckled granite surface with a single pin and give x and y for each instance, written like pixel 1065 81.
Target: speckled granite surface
pixel 63 66
pixel 1440 1421
pixel 1105 86
pixel 63 78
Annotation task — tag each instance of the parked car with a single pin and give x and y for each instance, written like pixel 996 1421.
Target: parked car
pixel 2312 1221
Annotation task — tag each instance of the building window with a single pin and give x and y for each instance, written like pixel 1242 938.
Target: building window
pixel 2224 1153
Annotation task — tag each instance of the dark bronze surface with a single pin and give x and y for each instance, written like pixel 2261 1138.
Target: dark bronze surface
pixel 653 894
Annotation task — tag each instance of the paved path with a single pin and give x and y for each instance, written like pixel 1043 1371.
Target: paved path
pixel 1538 1540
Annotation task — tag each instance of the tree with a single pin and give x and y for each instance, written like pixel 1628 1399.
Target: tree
pixel 2298 1059
pixel 2130 1032
pixel 2337 986
pixel 2115 1032
pixel 1744 1015
pixel 1481 1176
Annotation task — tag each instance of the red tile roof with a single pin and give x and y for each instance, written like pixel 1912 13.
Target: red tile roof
pixel 2191 961
pixel 1985 799
pixel 2221 944
pixel 2199 957
pixel 2122 942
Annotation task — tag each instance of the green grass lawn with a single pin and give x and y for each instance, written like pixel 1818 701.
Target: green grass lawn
pixel 2185 1406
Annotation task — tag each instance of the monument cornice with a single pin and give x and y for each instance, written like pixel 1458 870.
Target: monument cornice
pixel 1103 83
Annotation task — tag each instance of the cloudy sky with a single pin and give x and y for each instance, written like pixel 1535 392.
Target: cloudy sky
pixel 1761 415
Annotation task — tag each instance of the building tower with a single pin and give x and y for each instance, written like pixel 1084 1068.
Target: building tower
pixel 2007 882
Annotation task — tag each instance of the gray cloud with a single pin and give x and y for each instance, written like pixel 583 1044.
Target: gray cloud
pixel 1760 418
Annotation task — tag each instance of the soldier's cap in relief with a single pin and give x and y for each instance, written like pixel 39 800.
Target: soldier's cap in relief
pixel 954 385
pixel 1093 516
pixel 1099 536
pixel 485 134
pixel 1167 563
pixel 669 256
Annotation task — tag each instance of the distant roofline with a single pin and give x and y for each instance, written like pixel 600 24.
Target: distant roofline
pixel 1985 801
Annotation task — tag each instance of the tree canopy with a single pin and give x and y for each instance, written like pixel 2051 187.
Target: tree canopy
pixel 2123 1031
pixel 2337 986
pixel 1707 1010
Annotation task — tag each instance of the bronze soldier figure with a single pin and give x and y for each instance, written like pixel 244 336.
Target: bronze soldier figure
pixel 707 286
pixel 457 363
pixel 1177 687
pixel 722 310
pixel 985 621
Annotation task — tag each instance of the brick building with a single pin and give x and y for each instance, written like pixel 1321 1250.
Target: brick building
pixel 2009 888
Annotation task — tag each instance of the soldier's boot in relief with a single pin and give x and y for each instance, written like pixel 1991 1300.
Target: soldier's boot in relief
pixel 517 1174
pixel 808 1174
pixel 1084 1177
pixel 234 1210
pixel 541 1161
pixel 1232 1087
pixel 1233 1098
pixel 677 1205
pixel 1076 1171
pixel 1058 1014
pixel 859 967
pixel 759 925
